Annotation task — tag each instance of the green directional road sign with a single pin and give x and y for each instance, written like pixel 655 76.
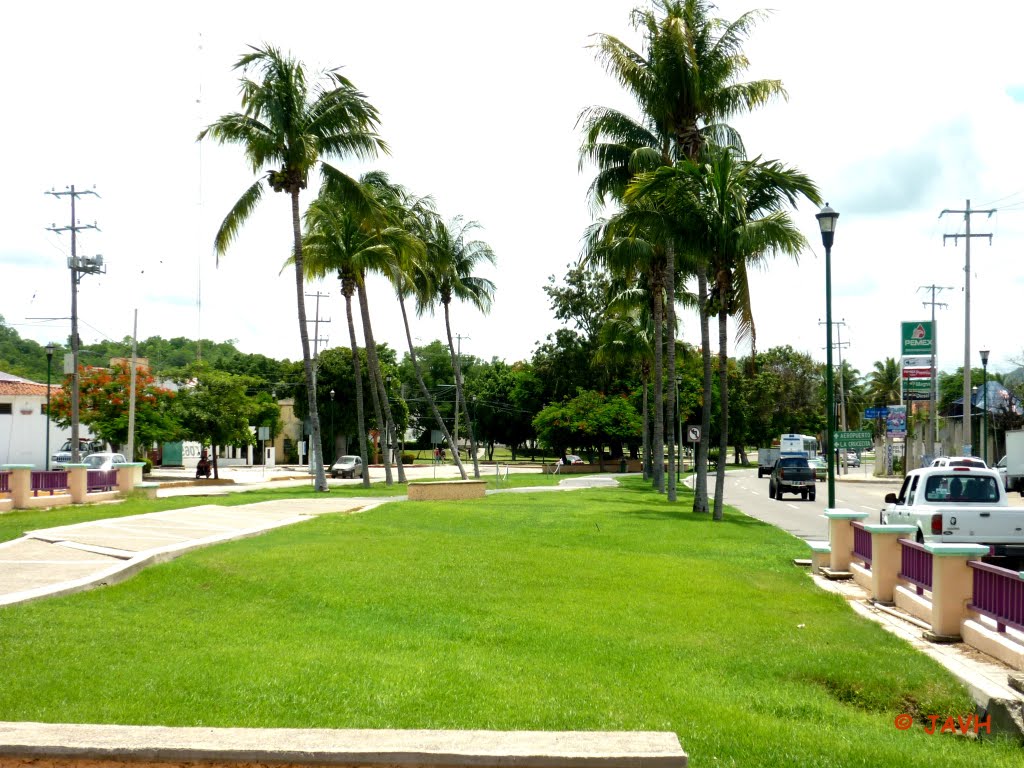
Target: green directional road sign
pixel 855 440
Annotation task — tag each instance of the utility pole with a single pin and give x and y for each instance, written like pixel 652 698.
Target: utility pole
pixel 316 331
pixel 933 433
pixel 968 406
pixel 839 344
pixel 78 266
pixel 458 354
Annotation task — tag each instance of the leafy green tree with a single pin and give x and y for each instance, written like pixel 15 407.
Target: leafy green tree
pixel 214 408
pixel 282 127
pixel 104 401
pixel 581 298
pixel 590 419
pixel 504 400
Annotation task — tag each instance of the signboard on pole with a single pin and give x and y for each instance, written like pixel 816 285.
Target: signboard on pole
pixel 917 373
pixel 859 439
pixel 876 413
pixel 917 362
pixel 917 338
pixel 917 389
pixel 896 421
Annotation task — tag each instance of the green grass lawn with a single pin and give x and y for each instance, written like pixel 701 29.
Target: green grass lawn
pixel 590 610
pixel 16 523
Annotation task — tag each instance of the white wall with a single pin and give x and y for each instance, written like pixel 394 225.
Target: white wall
pixel 23 435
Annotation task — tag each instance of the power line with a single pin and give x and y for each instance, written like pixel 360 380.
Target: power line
pixel 967 211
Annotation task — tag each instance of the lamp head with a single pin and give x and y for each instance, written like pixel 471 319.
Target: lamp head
pixel 50 348
pixel 984 356
pixel 827 223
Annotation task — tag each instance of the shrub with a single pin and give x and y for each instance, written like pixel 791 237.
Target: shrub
pixel 148 466
pixel 408 458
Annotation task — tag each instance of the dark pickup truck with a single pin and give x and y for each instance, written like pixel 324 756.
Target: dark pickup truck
pixel 792 475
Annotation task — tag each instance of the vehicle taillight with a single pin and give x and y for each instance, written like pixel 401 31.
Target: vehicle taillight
pixel 782 474
pixel 937 524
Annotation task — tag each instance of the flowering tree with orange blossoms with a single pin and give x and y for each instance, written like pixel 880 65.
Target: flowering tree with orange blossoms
pixel 103 403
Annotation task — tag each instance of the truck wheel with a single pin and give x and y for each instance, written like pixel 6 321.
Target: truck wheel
pixel 803 495
pixel 771 490
pixel 760 474
pixel 919 538
pixel 778 492
pixel 813 494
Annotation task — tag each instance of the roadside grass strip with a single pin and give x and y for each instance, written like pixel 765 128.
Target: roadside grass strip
pixel 15 524
pixel 603 609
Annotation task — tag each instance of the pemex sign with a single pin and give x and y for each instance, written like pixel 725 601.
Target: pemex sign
pixel 917 338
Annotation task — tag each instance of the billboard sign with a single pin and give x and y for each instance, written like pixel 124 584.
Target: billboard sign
pixel 917 338
pixel 896 421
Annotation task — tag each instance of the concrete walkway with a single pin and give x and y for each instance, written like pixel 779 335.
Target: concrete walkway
pixel 73 558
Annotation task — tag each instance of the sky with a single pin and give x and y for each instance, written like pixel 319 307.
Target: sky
pixel 896 110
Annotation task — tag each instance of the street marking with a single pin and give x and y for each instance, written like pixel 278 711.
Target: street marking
pixel 792 506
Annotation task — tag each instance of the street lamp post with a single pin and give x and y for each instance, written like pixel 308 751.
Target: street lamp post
pixel 49 363
pixel 984 414
pixel 679 424
pixel 827 223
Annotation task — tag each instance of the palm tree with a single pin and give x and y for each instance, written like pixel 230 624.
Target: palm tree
pixel 884 383
pixel 628 245
pixel 685 83
pixel 452 258
pixel 735 214
pixel 346 241
pixel 284 129
pixel 410 275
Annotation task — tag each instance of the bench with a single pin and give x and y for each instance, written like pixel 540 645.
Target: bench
pixel 447 490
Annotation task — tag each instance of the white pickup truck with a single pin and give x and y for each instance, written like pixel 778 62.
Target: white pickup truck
pixel 955 505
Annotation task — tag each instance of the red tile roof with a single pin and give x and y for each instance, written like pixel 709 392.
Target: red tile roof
pixel 14 385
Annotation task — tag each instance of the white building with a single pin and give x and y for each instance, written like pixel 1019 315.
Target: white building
pixel 23 422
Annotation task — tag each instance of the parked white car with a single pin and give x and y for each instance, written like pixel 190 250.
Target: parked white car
pixel 347 466
pixel 959 461
pixel 104 460
pixel 958 505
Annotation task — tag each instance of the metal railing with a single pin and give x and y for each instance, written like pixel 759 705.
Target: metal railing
pixel 916 565
pixel 48 481
pixel 861 543
pixel 998 594
pixel 5 482
pixel 101 480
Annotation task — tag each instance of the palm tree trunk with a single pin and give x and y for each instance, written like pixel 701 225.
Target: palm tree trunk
pixel 658 443
pixel 347 287
pixel 700 491
pixel 457 368
pixel 647 431
pixel 670 320
pixel 316 449
pixel 392 428
pixel 423 387
pixel 723 394
pixel 374 365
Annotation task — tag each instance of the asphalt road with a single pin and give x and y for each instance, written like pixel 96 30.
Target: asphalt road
pixel 804 519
